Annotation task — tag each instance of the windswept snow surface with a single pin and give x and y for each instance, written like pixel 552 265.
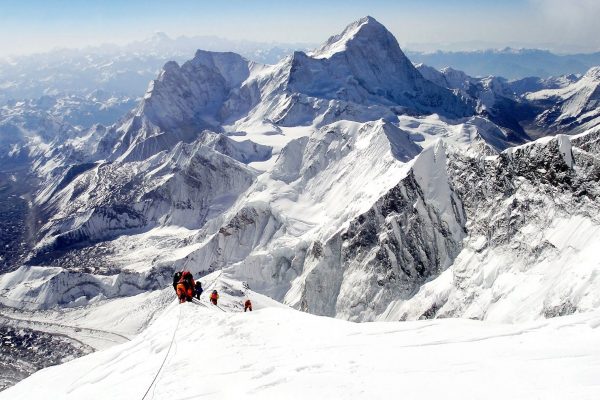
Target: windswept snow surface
pixel 280 353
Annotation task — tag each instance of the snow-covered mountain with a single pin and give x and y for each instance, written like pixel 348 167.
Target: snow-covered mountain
pixel 493 96
pixel 295 176
pixel 572 108
pixel 535 84
pixel 529 107
pixel 335 81
pixel 30 128
pixel 532 228
pixel 343 182
pixel 367 52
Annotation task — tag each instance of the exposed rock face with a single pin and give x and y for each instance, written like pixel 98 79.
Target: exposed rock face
pixel 532 214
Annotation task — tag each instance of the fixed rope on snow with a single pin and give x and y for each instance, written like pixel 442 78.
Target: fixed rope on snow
pixel 214 280
pixel 166 356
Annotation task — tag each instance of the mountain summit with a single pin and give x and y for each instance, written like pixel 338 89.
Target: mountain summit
pixel 365 64
pixel 366 29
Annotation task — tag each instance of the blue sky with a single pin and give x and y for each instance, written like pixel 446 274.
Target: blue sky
pixel 36 25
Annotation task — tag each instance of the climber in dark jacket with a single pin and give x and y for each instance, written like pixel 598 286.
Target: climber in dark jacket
pixel 198 289
pixel 176 278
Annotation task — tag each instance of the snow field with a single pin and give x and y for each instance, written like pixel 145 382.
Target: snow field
pixel 277 352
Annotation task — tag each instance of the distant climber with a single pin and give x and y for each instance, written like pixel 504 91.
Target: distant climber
pixel 198 289
pixel 248 305
pixel 214 297
pixel 185 287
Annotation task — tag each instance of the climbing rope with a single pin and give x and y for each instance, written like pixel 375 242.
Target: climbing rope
pixel 166 356
pixel 212 283
pixel 198 302
pixel 214 280
pixel 219 307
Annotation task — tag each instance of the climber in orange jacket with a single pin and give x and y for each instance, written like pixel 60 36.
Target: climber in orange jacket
pixel 185 287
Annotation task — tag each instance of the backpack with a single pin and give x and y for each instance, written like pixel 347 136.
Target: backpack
pixel 176 278
pixel 186 279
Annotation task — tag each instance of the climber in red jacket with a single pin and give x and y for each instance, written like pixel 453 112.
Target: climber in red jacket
pixel 214 297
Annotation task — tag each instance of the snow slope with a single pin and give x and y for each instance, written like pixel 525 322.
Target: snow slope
pixel 199 351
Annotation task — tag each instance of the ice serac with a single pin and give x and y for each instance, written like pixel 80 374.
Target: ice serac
pixel 365 64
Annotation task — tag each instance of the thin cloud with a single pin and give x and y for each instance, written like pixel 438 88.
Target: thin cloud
pixel 571 22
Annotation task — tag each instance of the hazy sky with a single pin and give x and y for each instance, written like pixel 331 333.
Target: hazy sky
pixel 563 25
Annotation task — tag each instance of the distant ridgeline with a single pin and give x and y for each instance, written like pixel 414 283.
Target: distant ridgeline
pixel 509 63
